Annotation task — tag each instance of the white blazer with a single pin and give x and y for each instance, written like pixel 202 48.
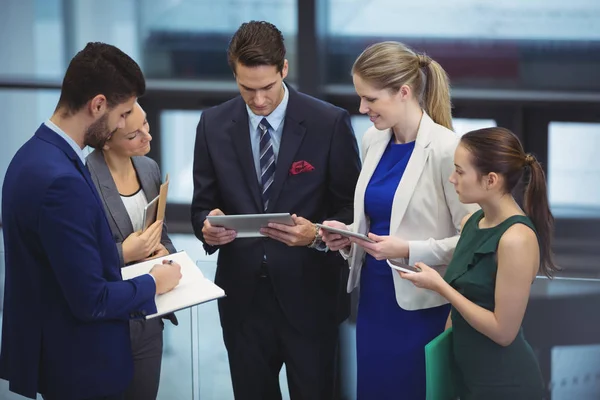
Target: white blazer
pixel 425 211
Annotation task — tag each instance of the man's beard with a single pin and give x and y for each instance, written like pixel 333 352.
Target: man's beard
pixel 98 133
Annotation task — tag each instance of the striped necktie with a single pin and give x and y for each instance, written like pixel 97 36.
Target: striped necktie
pixel 267 161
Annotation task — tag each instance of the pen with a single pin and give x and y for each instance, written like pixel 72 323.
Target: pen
pixel 170 261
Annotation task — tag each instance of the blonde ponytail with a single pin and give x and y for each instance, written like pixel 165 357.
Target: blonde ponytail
pixel 389 65
pixel 436 101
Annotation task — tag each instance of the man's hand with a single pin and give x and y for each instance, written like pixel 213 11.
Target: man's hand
pixel 162 251
pixel 385 247
pixel 139 246
pixel 301 234
pixel 217 235
pixel 166 276
pixel 335 241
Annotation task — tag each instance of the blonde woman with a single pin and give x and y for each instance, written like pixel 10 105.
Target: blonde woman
pixel 126 180
pixel 406 205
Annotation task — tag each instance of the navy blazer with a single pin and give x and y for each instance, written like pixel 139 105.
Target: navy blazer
pixel 66 318
pixel 309 284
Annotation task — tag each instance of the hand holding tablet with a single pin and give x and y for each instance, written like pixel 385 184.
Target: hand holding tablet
pixel 249 225
pixel 345 233
pixel 398 266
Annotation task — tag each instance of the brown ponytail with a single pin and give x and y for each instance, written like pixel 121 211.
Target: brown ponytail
pixel 389 65
pixel 499 150
pixel 538 209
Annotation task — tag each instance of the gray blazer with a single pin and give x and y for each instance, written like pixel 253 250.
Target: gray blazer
pixel 116 213
pixel 118 218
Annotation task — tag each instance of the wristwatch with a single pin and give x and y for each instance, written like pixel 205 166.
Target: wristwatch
pixel 317 242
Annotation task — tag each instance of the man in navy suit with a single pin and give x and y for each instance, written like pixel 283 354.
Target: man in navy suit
pixel 274 150
pixel 65 330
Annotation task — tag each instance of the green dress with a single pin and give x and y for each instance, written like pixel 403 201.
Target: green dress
pixel 487 370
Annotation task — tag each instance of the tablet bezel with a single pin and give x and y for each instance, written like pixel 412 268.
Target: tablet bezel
pixel 346 233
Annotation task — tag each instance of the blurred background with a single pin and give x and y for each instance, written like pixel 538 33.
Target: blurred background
pixel 531 66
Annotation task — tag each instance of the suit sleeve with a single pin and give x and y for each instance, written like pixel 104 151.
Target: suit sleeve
pixel 206 190
pixel 344 168
pixel 68 223
pixel 439 252
pixel 120 251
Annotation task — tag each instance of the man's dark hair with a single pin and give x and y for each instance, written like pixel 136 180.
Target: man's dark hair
pixel 257 43
pixel 100 68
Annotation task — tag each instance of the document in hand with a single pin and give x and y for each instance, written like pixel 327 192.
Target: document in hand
pixel 155 209
pixel 193 288
pixel 440 368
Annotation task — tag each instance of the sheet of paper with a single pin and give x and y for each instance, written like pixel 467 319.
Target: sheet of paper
pixel 193 288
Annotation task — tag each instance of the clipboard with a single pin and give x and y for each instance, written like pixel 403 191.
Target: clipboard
pixel 155 209
pixel 193 289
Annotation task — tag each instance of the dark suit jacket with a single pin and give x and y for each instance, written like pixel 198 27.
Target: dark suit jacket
pixel 308 283
pixel 120 224
pixel 66 318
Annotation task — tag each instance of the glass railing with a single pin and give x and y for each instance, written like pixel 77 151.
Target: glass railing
pixel 562 324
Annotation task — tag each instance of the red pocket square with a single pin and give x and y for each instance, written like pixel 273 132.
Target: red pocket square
pixel 300 166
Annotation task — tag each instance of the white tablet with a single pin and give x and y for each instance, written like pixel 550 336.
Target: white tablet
pixel 249 225
pixel 345 233
pixel 150 213
pixel 411 269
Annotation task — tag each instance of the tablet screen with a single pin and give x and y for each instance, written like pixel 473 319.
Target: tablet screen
pixel 150 213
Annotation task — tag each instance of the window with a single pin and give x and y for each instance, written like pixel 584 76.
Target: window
pixel 36 46
pixel 464 125
pixel 510 44
pixel 109 21
pixel 189 39
pixel 361 123
pixel 178 134
pixel 23 111
pixel 574 169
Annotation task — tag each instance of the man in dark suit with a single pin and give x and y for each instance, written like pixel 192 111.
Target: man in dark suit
pixel 274 150
pixel 65 330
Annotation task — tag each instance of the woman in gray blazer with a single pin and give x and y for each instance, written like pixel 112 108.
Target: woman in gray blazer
pixel 126 180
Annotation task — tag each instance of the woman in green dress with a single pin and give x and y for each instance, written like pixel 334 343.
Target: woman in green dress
pixel 501 250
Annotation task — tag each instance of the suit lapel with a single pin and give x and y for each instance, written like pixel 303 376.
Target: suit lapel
pixel 88 178
pixel 239 132
pixel 412 173
pixel 110 194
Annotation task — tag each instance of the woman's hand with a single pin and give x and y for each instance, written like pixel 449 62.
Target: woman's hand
pixel 335 241
pixel 139 246
pixel 160 252
pixel 427 278
pixel 384 247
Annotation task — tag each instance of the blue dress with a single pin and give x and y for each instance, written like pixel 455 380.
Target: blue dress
pixel 390 341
